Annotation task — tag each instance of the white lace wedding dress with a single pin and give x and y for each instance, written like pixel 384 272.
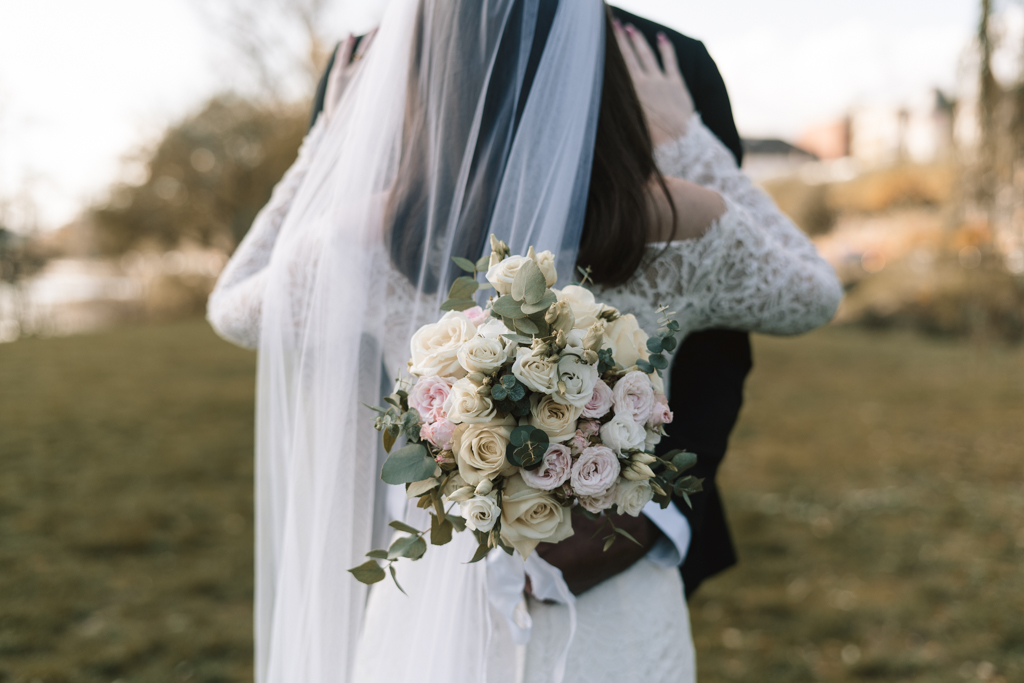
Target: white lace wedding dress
pixel 752 270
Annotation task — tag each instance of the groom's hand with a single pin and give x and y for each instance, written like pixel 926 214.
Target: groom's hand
pixel 581 557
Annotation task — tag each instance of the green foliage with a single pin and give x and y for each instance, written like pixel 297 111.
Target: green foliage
pixel 527 446
pixel 408 464
pixel 368 572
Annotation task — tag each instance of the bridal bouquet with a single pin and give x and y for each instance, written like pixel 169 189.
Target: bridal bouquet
pixel 544 401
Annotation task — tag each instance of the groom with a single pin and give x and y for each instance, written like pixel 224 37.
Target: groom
pixel 708 374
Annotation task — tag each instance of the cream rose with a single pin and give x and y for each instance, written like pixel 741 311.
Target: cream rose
pixel 622 433
pixel 632 496
pixel 553 471
pixel 529 517
pixel 633 396
pixel 578 379
pixel 481 354
pixel 435 347
pixel 545 260
pixel 601 502
pixel 428 395
pixel 481 512
pixel 504 272
pixel 626 340
pixel 601 401
pixel 480 449
pixel 536 372
pixel 585 308
pixel 467 405
pixel 557 419
pixel 595 471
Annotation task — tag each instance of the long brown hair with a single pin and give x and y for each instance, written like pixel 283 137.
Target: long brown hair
pixel 619 207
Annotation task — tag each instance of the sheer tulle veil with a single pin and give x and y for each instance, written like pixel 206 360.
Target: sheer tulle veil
pixel 467 117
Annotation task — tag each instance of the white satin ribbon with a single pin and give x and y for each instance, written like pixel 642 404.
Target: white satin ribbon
pixel 506 581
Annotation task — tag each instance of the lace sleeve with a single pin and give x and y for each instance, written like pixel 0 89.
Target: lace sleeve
pixel 701 158
pixel 234 306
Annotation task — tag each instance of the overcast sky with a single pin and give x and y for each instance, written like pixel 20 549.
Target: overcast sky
pixel 82 83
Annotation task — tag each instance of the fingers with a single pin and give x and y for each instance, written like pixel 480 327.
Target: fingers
pixel 668 56
pixel 626 48
pixel 643 50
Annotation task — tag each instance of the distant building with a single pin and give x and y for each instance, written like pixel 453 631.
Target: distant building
pixel 771 158
pixel 828 140
pixel 919 132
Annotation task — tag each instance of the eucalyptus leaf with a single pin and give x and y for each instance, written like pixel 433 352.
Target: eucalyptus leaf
pixel 417 549
pixel 484 263
pixel 518 338
pixel 378 554
pixel 645 366
pixel 465 264
pixel 543 305
pixel 608 542
pixel 654 345
pixel 529 285
pixel 402 526
pixel 507 307
pixel 457 521
pixel 408 464
pixel 659 361
pixel 391 568
pixel 623 532
pixel 389 440
pixel 517 392
pixel 527 326
pixel 508 381
pixel 440 530
pixel 481 552
pixel 668 343
pixel 458 304
pixel 418 488
pixel 463 288
pixel 401 546
pixel 683 460
pixel 520 435
pixel 499 392
pixel 368 572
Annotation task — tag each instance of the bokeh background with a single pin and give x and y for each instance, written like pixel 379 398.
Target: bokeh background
pixel 875 482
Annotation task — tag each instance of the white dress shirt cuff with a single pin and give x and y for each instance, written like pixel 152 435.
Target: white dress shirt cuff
pixel 669 551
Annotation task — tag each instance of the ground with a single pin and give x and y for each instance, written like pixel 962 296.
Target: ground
pixel 874 485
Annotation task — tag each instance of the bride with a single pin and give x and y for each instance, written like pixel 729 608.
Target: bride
pixel 544 124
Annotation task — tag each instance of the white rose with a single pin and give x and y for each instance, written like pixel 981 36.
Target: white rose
pixel 529 517
pixel 632 496
pixel 557 419
pixel 601 502
pixel 545 260
pixel 493 329
pixel 536 372
pixel 652 439
pixel 466 405
pixel 574 343
pixel 579 379
pixel 481 354
pixel 622 433
pixel 481 512
pixel 626 340
pixel 634 396
pixel 435 347
pixel 480 449
pixel 595 471
pixel 504 272
pixel 584 308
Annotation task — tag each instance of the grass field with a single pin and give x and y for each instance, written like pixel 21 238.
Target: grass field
pixel 875 485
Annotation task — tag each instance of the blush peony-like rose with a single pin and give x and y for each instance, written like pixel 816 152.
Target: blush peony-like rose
pixel 480 449
pixel 601 502
pixel 439 433
pixel 557 419
pixel 435 347
pixel 530 516
pixel 428 395
pixel 633 396
pixel 661 415
pixel 554 470
pixel 477 315
pixel 600 403
pixel 594 471
pixel 467 405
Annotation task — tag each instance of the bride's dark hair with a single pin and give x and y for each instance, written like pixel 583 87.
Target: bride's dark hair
pixel 619 205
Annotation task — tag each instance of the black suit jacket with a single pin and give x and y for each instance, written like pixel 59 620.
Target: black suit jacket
pixel 711 366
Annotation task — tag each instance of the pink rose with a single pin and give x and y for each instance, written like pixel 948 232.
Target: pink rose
pixel 600 401
pixel 439 433
pixel 601 502
pixel 634 396
pixel 595 471
pixel 579 442
pixel 476 315
pixel 589 427
pixel 428 395
pixel 554 470
pixel 661 415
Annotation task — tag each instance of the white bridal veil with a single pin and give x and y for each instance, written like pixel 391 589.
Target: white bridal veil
pixel 468 117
